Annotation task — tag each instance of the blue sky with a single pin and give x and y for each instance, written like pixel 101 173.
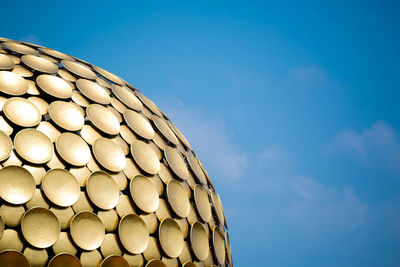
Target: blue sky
pixel 293 107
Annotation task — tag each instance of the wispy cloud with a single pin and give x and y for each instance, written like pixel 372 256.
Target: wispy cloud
pixel 375 146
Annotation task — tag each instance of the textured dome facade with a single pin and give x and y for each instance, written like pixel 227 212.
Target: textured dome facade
pixel 93 173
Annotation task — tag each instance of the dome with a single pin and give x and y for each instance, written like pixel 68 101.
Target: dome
pixel 93 173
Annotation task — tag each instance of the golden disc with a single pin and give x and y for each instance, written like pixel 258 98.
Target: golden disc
pixel 64 244
pixel 61 187
pixel 12 84
pixel 145 157
pixel 37 200
pixel 64 260
pixel 219 245
pixel 11 240
pixel 218 207
pixel 134 260
pixel 171 237
pixel 163 211
pixel 202 203
pixel 64 215
pixel 5 146
pixel 49 58
pixel 122 144
pixel 89 134
pixel 82 204
pixel 180 136
pixel 189 264
pixel 5 62
pixel 118 105
pixel 67 115
pixel 127 134
pixel 169 262
pixel 11 214
pixel 120 179
pixel 20 48
pixel 159 141
pixel 178 198
pixel 153 250
pixel 79 69
pixel 1 226
pixel 33 146
pixel 110 246
pixel 164 129
pixel 80 173
pixel 103 82
pixel 91 259
pixel 48 129
pixel 32 88
pixel 109 219
pixel 55 86
pixel 144 194
pixel 39 63
pixel 195 166
pixel 155 263
pixel 66 75
pixel 108 75
pixel 148 103
pixel 176 162
pixel 114 261
pixel 139 124
pixel 40 227
pixel 125 206
pixel 12 258
pixel 40 104
pixel 55 53
pixel 36 257
pixel 21 112
pixel 20 188
pixel 109 154
pixel 93 91
pixel 133 233
pixel 150 220
pixel 116 113
pixel 103 119
pixel 127 97
pixel 87 230
pixel 21 71
pixel 199 241
pixel 102 190
pixel 73 149
pixel 165 174
pixel 186 255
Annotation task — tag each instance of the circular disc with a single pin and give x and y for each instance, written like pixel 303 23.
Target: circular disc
pixel 139 124
pixel 199 240
pixel 108 75
pixel 20 48
pixel 109 154
pixel 39 64
pixel 22 112
pixel 61 187
pixel 163 127
pixel 133 233
pixel 179 135
pixel 33 146
pixel 40 227
pixel 176 162
pixel 12 84
pixel 202 203
pixel 114 261
pixel 67 115
pixel 91 259
pixel 12 258
pixel 155 263
pixel 109 219
pixel 144 194
pixel 5 146
pixel 171 237
pixel 73 149
pixel 218 207
pixel 219 245
pixel 79 69
pixel 102 190
pixel 194 164
pixel 55 53
pixel 103 119
pixel 148 103
pixel 145 157
pixel 64 260
pixel 20 188
pixel 93 91
pixel 1 227
pixel 178 198
pixel 55 86
pixel 87 230
pixel 64 244
pixel 127 97
pixel 5 62
pixel 36 257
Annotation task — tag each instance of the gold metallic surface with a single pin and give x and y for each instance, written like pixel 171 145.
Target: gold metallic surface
pixel 171 237
pixel 40 227
pixel 55 86
pixel 33 146
pixel 39 64
pixel 61 187
pixel 21 112
pixel 178 198
pixel 12 258
pixel 133 233
pixel 87 230
pixel 12 84
pixel 102 190
pixel 90 168
pixel 145 157
pixel 144 194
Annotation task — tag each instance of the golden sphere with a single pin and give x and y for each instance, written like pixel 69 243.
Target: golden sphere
pixel 92 173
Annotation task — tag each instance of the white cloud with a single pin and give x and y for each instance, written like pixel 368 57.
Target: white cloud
pixel 377 146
